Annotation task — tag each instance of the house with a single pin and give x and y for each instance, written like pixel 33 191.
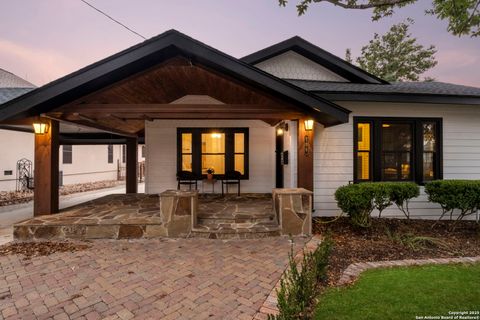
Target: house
pixel 78 163
pixel 290 115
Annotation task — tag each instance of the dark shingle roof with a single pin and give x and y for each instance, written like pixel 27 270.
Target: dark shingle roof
pixel 7 94
pixel 427 88
pixel 10 80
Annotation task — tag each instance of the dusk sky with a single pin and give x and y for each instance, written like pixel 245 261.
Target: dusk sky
pixel 44 40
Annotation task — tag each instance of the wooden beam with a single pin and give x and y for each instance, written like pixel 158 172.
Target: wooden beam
pixel 131 169
pixel 116 117
pixel 143 108
pixel 90 123
pixel 305 141
pixel 45 194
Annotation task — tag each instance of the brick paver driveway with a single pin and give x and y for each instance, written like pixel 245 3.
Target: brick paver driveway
pixel 145 279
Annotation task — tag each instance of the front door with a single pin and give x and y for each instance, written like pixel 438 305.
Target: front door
pixel 278 159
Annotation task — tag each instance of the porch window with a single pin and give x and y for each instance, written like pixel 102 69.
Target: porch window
pixel 397 149
pixel 110 153
pixel 220 149
pixel 67 154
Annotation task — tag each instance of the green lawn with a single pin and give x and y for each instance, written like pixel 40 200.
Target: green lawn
pixel 403 293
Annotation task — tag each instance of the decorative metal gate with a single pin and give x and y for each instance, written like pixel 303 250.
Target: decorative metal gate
pixel 24 175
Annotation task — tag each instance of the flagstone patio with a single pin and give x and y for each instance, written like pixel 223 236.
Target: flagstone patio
pixel 120 216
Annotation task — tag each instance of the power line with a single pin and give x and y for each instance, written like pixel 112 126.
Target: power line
pixel 113 19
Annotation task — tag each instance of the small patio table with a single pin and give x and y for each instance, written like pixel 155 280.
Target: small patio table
pixel 209 181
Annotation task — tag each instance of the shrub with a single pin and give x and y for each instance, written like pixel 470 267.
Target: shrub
pixel 451 195
pixel 359 200
pixel 299 285
pixel 402 193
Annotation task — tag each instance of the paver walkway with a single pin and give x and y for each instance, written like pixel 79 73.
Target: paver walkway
pixel 145 279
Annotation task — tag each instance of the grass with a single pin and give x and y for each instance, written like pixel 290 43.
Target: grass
pixel 403 293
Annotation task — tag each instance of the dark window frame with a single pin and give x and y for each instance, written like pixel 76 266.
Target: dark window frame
pixel 69 152
pixel 110 153
pixel 124 153
pixel 417 148
pixel 229 148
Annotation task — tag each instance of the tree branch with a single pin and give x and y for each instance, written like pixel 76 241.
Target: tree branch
pixel 376 4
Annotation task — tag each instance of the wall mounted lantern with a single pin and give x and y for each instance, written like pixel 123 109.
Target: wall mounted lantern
pixel 308 124
pixel 40 127
pixel 308 128
pixel 282 128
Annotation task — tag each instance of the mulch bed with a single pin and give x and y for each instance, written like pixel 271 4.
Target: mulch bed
pixel 15 197
pixel 45 248
pixel 396 239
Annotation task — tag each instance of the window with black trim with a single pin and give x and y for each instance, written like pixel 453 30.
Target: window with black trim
pixel 110 153
pixel 219 149
pixel 397 149
pixel 67 155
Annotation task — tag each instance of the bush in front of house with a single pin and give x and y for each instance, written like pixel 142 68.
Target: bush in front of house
pixel 300 284
pixel 451 195
pixel 359 200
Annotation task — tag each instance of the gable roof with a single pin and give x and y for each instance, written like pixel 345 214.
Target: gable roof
pixel 151 52
pixel 309 50
pixel 10 80
pixel 7 94
pixel 433 92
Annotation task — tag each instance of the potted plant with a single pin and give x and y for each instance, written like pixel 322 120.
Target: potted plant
pixel 210 172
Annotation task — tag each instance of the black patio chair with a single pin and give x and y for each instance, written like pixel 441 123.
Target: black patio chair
pixel 187 178
pixel 231 177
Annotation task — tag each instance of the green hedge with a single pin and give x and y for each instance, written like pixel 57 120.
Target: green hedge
pixel 359 200
pixel 461 195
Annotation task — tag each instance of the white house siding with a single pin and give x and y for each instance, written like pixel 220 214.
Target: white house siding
pixel 90 164
pixel 15 146
pixel 161 153
pixel 291 65
pixel 333 165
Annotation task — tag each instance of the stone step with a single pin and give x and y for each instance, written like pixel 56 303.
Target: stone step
pixel 208 220
pixel 244 230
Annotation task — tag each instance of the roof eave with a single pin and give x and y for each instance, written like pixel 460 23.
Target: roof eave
pixel 118 66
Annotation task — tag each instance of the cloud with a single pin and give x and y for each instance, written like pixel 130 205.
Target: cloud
pixel 36 65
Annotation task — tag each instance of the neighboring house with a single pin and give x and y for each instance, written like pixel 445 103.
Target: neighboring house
pixel 291 115
pixel 78 164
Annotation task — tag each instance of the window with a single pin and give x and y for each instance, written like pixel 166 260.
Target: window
pixel 110 153
pixel 7 172
pixel 124 153
pixel 397 149
pixel 220 149
pixel 67 154
pixel 143 151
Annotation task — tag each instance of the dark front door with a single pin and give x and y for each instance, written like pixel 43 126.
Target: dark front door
pixel 278 160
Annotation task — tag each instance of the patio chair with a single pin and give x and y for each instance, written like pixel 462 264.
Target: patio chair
pixel 187 178
pixel 231 177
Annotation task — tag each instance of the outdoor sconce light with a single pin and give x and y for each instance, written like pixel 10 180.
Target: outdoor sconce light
pixel 308 128
pixel 281 128
pixel 40 127
pixel 308 124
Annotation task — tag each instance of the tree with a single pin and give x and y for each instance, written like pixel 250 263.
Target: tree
pixel 463 16
pixel 396 55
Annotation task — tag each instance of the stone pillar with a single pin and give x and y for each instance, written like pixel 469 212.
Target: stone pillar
pixel 131 181
pixel 178 210
pixel 45 194
pixel 293 209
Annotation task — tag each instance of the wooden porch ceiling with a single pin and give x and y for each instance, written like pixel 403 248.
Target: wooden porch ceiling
pixel 123 107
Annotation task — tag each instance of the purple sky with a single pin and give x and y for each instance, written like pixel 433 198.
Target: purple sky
pixel 44 40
